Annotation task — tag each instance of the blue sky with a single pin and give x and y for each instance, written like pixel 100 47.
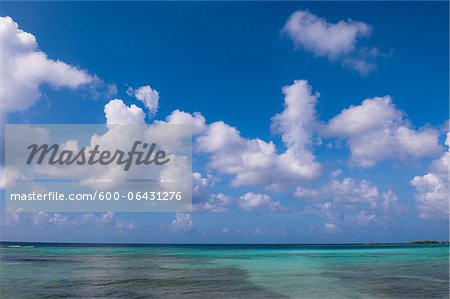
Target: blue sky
pixel 229 62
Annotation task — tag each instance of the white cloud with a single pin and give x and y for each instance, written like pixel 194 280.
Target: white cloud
pixel 322 38
pixel 255 161
pixel 107 217
pixel 256 201
pixel 390 201
pixel 25 68
pixel 350 202
pixel 17 218
pixel 103 219
pixel 365 217
pixel 274 230
pixel 39 218
pixel 196 120
pixel 202 197
pixel 332 228
pixel 9 176
pixel 182 223
pixel 11 217
pixel 363 61
pixel 377 130
pixel 351 192
pixel 217 202
pixel 432 189
pixel 86 223
pixel 111 90
pixel 372 113
pixel 199 185
pixel 148 96
pixel 296 124
pixel 125 225
pixel 336 41
pixel 220 137
pixel 58 219
pixel 112 175
pixel 116 112
pixel 347 190
pixel 301 192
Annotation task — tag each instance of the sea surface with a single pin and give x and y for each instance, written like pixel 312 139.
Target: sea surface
pixel 39 270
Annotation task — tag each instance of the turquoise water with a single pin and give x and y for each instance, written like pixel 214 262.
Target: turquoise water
pixel 218 271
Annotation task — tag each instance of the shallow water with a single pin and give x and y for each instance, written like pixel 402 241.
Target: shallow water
pixel 218 271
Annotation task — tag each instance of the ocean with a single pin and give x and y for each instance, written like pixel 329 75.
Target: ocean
pixel 44 270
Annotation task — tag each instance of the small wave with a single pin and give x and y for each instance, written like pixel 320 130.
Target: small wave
pixel 20 246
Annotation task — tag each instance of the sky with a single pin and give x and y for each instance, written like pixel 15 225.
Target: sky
pixel 312 122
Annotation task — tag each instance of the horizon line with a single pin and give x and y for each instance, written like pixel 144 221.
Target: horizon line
pixel 207 244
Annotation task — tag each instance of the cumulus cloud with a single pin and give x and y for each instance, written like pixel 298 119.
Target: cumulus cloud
pixel 259 202
pixel 255 161
pixel 87 222
pixel 432 189
pixel 323 38
pixel 377 130
pixel 202 197
pixel 182 223
pixel 365 217
pixel 58 219
pixel 125 225
pixel 9 177
pixel 25 69
pixel 331 228
pixel 296 124
pixel 348 202
pixel 336 41
pixel 301 192
pixel 351 192
pixel 274 230
pixel 148 96
pixel 103 219
pixel 196 120
pixel 112 175
pixel 217 202
pixel 111 90
pixel 364 60
pixel 116 112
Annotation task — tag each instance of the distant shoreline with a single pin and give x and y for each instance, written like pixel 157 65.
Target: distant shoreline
pixel 87 244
